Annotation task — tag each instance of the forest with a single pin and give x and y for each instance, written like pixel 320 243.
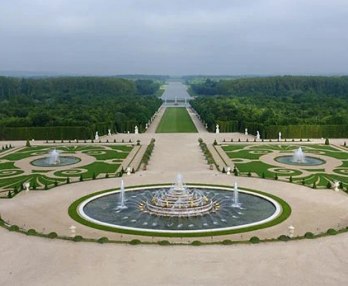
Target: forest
pixel 76 106
pixel 298 106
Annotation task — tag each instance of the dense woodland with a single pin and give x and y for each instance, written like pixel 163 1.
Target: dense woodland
pixel 85 104
pixel 297 106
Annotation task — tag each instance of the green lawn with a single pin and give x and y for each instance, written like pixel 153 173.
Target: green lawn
pixel 176 120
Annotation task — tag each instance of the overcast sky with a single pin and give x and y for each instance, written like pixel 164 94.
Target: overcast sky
pixel 175 37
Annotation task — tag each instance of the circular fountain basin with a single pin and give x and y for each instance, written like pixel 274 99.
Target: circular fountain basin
pixel 63 161
pixel 308 161
pixel 253 209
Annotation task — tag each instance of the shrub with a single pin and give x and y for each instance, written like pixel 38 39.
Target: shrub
pixel 27 144
pixel 309 235
pixel 9 194
pixel 263 175
pixel 103 240
pixel 303 182
pixel 77 238
pixel 283 238
pixel 114 140
pixel 314 185
pixel 164 242
pixel 276 177
pixel 138 142
pixel 14 228
pixel 196 243
pixel 327 142
pixel 249 174
pixel 331 231
pixel 223 170
pixel 345 144
pixel 135 242
pixel 81 178
pixel 52 235
pixel 238 139
pixel 68 180
pixel 290 179
pixel 227 242
pixel 34 186
pixel 46 187
pixel 94 176
pixel 328 185
pixel 31 231
pixel 254 239
pixel 215 143
pixel 107 175
pixel 55 183
pixel 247 140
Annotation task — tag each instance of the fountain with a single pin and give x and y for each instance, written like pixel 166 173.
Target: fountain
pixel 179 201
pixel 55 160
pixel 122 203
pixel 299 156
pixel 179 208
pixel 236 203
pixel 54 157
pixel 300 159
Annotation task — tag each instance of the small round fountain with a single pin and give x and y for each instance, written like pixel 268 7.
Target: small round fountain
pixel 178 208
pixel 55 160
pixel 299 159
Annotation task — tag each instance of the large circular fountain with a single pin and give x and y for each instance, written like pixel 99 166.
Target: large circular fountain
pixel 55 160
pixel 299 159
pixel 178 209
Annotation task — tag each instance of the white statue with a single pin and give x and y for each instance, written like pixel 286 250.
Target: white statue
pixel 280 136
pixel 146 125
pixel 336 186
pixel 136 131
pixel 217 129
pixel 96 136
pixel 246 131
pixel 26 186
pixel 291 229
pixel 228 170
pixel 257 135
pixel 129 170
pixel 109 132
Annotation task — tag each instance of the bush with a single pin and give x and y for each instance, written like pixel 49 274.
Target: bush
pixel 276 177
pixel 55 183
pixel 31 231
pixel 227 242
pixel 46 187
pixel 14 228
pixel 9 194
pixel 254 239
pixel 135 242
pixel 314 185
pixel 68 180
pixel 249 174
pixel 303 182
pixel 263 175
pixel 103 240
pixel 81 178
pixel 94 176
pixel 290 179
pixel 52 235
pixel 27 144
pixel 215 143
pixel 107 175
pixel 77 238
pixel 331 231
pixel 164 242
pixel 309 235
pixel 328 185
pixel 283 238
pixel 223 170
pixel 327 142
pixel 196 243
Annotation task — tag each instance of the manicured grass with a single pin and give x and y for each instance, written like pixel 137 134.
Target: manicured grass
pixel 176 120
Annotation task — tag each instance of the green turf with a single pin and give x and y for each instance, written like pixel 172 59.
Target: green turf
pixel 176 120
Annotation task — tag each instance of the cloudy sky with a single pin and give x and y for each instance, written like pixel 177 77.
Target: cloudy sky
pixel 175 37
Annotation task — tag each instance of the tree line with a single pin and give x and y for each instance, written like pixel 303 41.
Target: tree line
pixel 318 104
pixel 96 103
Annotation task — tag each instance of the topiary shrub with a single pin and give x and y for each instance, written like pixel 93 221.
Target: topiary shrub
pixel 77 238
pixel 254 239
pixel 13 228
pixel 215 143
pixel 276 177
pixel 27 144
pixel 327 142
pixel 309 235
pixel 196 243
pixel 107 175
pixel 314 185
pixel 81 178
pixel 223 170
pixel 103 240
pixel 328 185
pixel 227 242
pixel 94 176
pixel 52 235
pixel 55 183
pixel 68 180
pixel 31 231
pixel 290 179
pixel 135 242
pixel 283 238
pixel 249 174
pixel 331 231
pixel 164 242
pixel 263 175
